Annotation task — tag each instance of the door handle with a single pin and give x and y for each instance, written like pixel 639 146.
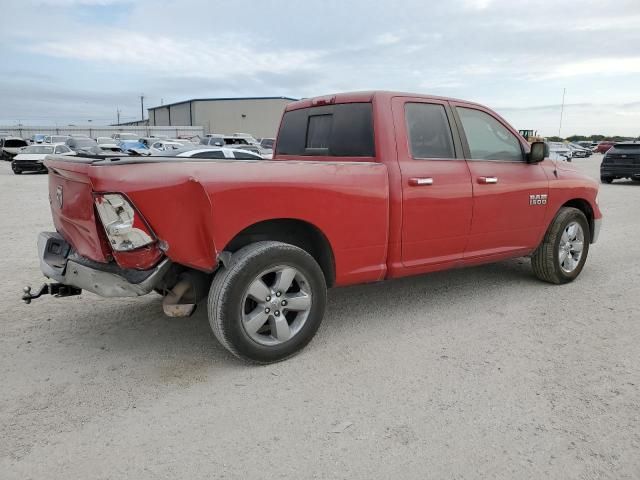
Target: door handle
pixel 487 180
pixel 420 182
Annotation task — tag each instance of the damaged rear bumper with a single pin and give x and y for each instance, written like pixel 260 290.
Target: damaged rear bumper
pixel 59 262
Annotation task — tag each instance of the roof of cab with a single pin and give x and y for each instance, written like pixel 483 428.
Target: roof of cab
pixel 364 96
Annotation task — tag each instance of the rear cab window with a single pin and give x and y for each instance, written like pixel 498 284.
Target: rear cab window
pixel 340 130
pixel 428 131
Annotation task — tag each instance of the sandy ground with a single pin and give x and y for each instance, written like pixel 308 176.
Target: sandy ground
pixel 477 373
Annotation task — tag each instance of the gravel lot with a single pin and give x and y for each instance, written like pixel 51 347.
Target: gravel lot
pixel 477 373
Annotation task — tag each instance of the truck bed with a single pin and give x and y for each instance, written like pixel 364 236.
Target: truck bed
pixel 197 206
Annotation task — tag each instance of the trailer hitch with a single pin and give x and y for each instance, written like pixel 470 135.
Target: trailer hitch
pixel 58 290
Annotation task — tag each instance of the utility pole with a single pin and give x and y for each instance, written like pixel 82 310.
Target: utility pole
pixel 564 90
pixel 118 115
pixel 141 107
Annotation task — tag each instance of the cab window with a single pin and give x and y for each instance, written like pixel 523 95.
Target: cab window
pixel 488 139
pixel 428 131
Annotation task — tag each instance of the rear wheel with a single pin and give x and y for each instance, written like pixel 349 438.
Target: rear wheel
pixel 17 171
pixel 563 251
pixel 267 304
pixel 606 179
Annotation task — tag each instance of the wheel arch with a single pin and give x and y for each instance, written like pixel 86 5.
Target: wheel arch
pixel 585 207
pixel 293 231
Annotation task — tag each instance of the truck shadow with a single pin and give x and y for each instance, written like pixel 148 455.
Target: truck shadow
pixel 139 327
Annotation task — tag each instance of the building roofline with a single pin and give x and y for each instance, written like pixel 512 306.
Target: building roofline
pixel 221 99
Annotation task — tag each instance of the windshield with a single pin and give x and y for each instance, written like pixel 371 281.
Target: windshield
pixel 105 141
pixel 38 149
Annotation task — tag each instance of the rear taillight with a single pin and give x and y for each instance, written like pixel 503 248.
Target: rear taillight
pixel 124 227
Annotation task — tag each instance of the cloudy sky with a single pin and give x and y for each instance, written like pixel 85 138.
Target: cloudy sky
pixel 70 61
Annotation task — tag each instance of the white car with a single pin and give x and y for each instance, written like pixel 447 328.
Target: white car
pixel 125 136
pixel 108 144
pixel 56 138
pixel 165 145
pixel 221 153
pixel 559 151
pixel 30 158
pixel 248 137
pixel 11 146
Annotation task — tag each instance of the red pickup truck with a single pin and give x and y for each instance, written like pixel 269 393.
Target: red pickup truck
pixel 362 187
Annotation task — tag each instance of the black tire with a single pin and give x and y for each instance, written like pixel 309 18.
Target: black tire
pixel 606 179
pixel 545 261
pixel 17 172
pixel 231 283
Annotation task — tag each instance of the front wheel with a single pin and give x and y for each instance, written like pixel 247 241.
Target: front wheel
pixel 563 251
pixel 267 304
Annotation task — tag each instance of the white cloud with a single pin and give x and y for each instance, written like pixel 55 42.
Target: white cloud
pixel 477 4
pixel 232 55
pixel 595 66
pixel 387 39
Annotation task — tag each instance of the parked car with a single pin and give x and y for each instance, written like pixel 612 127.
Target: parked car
pixel 30 158
pixel 125 136
pixel 108 144
pixel 578 151
pixel 37 138
pixel 621 161
pixel 184 142
pixel 346 200
pixel 133 145
pixel 248 137
pixel 603 147
pixel 220 153
pixel 243 143
pixel 214 140
pixel 248 148
pixel 165 145
pixel 266 147
pixel 559 151
pixel 267 143
pixel 79 144
pixel 151 139
pixel 56 138
pixel 10 146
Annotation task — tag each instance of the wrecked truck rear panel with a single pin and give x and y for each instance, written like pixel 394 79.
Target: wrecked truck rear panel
pixel 196 208
pixel 71 202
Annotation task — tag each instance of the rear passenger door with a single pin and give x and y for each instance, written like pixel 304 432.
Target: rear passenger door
pixel 505 220
pixel 436 183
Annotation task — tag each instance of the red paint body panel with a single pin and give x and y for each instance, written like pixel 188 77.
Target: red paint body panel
pixel 378 223
pixel 75 219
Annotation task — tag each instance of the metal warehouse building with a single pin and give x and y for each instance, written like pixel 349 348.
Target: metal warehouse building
pixel 259 116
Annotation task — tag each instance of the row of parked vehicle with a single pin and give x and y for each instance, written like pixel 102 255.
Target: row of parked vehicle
pixel 29 155
pixel 568 151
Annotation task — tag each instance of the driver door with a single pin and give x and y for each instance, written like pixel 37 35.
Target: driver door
pixel 505 219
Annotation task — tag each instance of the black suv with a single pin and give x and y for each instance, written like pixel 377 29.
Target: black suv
pixel 621 161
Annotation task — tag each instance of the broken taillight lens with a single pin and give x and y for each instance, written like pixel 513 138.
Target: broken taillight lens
pixel 125 228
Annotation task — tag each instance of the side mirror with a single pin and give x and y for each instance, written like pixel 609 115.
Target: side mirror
pixel 538 152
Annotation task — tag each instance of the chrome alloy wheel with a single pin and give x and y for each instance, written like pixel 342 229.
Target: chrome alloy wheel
pixel 276 305
pixel 570 247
